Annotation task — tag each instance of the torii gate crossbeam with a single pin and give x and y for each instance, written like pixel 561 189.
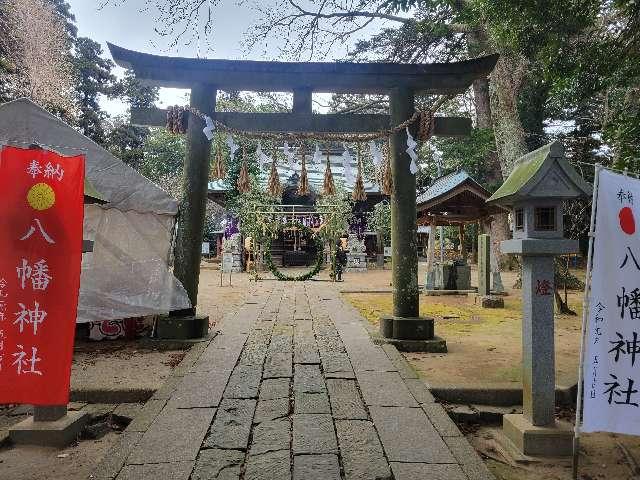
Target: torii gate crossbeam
pixel 400 81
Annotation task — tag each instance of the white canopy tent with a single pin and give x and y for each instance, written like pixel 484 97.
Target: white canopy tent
pixel 127 274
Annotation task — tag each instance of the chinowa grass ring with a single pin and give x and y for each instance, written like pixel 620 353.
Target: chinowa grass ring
pixel 41 197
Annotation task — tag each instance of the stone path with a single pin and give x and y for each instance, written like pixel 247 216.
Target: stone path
pixel 293 388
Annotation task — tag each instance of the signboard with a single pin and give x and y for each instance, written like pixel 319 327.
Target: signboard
pixel 205 248
pixel 41 214
pixel 612 349
pixel 387 251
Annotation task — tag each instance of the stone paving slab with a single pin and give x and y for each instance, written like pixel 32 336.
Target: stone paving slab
pixel 316 467
pixel 404 369
pixel 385 389
pixel 346 403
pixel 269 466
pixel 361 451
pixel 415 471
pixel 306 352
pixel 278 365
pixel 293 386
pixel 441 421
pixel 244 382
pixel 465 454
pixel 217 358
pixel 274 388
pixel 271 410
pixel 183 429
pixel 114 460
pixel 305 402
pixel 308 378
pixel 270 436
pixel 408 436
pixel 313 434
pixel 419 390
pixel 217 464
pixel 232 425
pixel 147 415
pixel 198 390
pixel 174 471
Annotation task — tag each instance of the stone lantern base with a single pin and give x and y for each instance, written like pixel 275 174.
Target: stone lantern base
pixel 411 334
pixel 555 440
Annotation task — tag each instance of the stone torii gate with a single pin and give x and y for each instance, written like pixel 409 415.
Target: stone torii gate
pixel 401 82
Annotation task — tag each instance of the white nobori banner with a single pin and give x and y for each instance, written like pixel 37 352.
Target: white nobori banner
pixel 612 343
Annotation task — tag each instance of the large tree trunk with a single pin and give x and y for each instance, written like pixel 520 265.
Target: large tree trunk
pixel 506 81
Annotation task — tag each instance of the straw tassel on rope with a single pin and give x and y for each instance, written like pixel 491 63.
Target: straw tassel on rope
pixel 273 187
pixel 219 169
pixel 244 183
pixel 386 182
pixel 359 195
pixel 303 185
pixel 328 185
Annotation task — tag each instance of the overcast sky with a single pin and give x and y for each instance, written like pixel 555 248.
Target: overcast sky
pixel 126 23
pixel 131 27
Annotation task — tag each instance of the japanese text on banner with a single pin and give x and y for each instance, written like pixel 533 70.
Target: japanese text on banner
pixel 612 349
pixel 41 241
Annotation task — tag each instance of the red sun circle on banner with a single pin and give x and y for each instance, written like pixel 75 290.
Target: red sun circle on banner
pixel 627 221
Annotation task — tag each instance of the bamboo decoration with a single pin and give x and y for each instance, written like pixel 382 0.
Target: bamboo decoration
pixel 387 178
pixel 244 183
pixel 329 185
pixel 273 187
pixel 359 195
pixel 303 185
pixel 219 171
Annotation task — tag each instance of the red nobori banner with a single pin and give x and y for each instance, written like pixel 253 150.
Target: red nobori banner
pixel 41 216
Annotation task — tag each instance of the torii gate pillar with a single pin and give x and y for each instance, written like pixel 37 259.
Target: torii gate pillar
pixel 191 219
pixel 405 328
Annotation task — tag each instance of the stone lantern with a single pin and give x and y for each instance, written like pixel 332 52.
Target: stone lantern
pixel 534 192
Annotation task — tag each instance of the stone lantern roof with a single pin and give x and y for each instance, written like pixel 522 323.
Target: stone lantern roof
pixel 544 173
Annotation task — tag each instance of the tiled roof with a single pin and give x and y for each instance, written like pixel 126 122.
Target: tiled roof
pixel 444 184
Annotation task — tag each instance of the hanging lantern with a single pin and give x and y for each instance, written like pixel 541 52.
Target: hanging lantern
pixel 329 185
pixel 219 171
pixel 359 195
pixel 273 187
pixel 244 183
pixel 386 182
pixel 303 185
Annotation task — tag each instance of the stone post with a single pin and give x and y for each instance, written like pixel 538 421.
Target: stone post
pixel 484 265
pixel 538 384
pixel 536 431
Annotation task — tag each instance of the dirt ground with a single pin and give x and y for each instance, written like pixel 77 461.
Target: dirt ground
pixel 486 341
pixel 602 456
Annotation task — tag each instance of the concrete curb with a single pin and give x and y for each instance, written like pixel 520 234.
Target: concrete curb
pixel 496 396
